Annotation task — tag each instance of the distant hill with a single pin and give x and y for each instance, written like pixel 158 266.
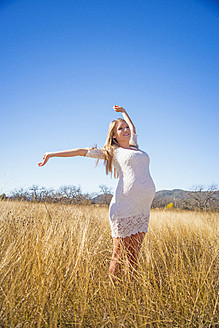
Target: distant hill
pixel 164 197
pixel 180 198
pixel 102 199
pixel 187 199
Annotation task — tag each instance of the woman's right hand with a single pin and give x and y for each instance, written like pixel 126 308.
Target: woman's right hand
pixel 118 109
pixel 45 159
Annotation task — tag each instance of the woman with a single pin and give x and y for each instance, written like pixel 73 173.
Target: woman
pixel 130 206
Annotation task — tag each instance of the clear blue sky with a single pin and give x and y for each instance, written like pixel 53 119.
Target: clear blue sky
pixel 64 64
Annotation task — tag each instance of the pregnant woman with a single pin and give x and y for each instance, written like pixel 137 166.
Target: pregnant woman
pixel 129 209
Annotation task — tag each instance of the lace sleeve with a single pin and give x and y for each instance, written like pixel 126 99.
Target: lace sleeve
pixel 133 140
pixel 95 153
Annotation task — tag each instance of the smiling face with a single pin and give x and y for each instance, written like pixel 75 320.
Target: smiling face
pixel 122 132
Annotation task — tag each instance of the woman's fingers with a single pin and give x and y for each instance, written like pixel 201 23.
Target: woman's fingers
pixel 118 108
pixel 41 163
pixel 45 159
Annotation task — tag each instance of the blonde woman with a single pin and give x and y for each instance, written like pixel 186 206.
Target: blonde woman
pixel 129 209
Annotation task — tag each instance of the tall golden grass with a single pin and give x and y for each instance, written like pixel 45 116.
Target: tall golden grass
pixel 54 269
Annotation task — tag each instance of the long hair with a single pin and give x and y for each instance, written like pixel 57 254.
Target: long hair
pixel 110 145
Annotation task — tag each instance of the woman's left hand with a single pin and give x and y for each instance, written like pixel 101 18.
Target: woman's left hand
pixel 119 109
pixel 45 159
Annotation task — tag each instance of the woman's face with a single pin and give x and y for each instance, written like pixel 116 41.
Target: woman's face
pixel 122 132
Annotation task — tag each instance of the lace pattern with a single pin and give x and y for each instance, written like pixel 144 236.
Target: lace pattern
pixel 127 226
pixel 95 153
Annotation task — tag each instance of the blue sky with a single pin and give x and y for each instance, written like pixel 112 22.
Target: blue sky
pixel 64 64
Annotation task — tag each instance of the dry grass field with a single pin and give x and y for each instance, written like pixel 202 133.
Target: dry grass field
pixel 54 269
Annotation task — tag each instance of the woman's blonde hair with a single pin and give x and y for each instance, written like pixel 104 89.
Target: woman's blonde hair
pixel 110 145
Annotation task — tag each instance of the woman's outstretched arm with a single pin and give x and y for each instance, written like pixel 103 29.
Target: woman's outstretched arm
pixel 126 117
pixel 64 153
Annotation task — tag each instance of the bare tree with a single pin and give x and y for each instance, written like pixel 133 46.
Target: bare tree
pixel 105 194
pixel 70 194
pixel 204 199
pixel 66 194
pixel 105 189
pixel 34 192
pixel 20 194
pixel 3 196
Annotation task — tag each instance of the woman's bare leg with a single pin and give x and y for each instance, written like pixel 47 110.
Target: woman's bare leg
pixel 115 265
pixel 131 247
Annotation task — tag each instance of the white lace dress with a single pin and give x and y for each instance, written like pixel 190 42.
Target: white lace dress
pixel 130 206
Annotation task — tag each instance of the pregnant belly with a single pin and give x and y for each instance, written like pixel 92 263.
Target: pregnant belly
pixel 132 199
pixel 139 186
pixel 139 192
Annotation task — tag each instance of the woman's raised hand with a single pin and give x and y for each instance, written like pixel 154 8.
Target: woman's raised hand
pixel 45 159
pixel 119 109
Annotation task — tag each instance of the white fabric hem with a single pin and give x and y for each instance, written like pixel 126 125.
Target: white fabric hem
pixel 129 235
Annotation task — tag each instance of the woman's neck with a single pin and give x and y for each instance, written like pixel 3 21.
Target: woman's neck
pixel 124 145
